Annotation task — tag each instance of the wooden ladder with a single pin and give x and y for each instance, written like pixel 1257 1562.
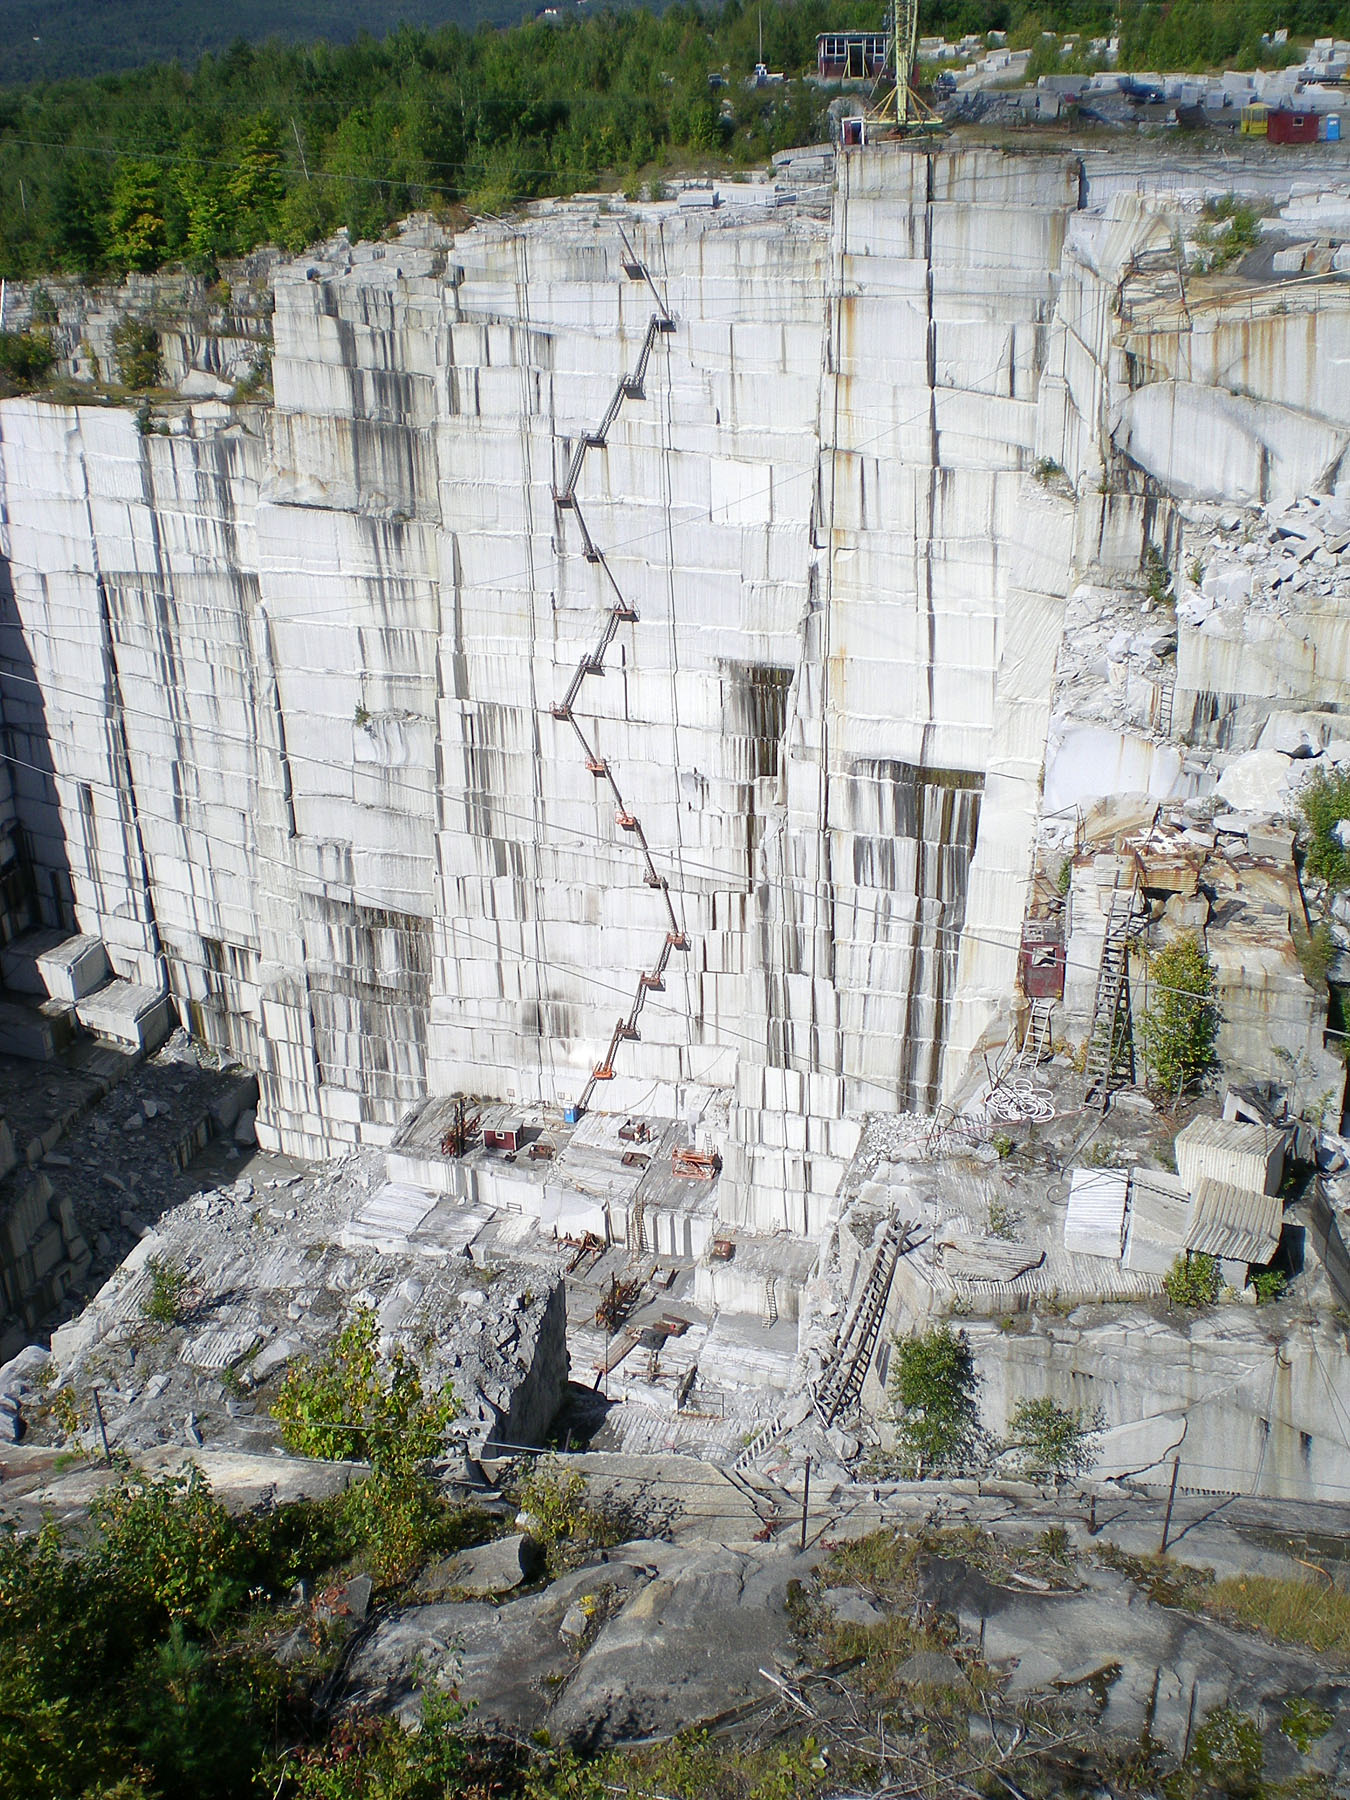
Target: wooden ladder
pixel 1110 1037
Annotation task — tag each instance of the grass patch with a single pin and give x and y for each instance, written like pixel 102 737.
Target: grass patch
pixel 1314 1614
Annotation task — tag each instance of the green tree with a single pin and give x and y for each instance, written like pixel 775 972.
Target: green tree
pixel 137 237
pixel 257 186
pixel 932 1395
pixel 1181 1024
pixel 1052 1440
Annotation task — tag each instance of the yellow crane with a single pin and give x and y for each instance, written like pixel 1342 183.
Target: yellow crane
pixel 901 108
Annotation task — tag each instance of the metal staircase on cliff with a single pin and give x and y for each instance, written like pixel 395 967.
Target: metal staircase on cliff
pixel 1110 1046
pixel 631 386
pixel 840 1382
pixel 842 1378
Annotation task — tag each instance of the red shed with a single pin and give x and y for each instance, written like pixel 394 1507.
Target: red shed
pixel 1285 127
pixel 1043 959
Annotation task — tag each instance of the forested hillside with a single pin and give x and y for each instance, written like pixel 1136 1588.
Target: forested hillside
pixel 56 40
pixel 283 143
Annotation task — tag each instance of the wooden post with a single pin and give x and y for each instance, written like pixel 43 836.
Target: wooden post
pixel 102 1428
pixel 1171 1496
pixel 806 1499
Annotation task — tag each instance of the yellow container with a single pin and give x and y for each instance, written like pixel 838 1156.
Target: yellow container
pixel 1255 120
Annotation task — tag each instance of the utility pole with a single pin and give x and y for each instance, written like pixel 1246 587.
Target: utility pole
pixel 806 1499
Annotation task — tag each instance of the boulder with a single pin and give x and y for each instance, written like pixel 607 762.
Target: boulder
pixel 930 1668
pixel 850 1607
pixel 496 1568
pixel 507 1661
pixel 1255 782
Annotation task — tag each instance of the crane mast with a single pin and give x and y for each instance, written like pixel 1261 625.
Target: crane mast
pixel 905 38
pixel 901 112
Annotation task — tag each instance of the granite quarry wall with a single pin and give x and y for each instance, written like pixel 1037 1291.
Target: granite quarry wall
pixel 278 679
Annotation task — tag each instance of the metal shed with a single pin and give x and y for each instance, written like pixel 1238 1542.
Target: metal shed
pixel 1230 1150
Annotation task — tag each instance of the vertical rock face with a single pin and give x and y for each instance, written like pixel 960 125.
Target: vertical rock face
pixel 280 686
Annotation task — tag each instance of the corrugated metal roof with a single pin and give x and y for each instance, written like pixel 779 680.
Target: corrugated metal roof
pixel 1233 1223
pixel 1094 1224
pixel 1239 1135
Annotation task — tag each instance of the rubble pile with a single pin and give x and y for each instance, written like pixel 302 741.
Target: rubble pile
pixel 256 1275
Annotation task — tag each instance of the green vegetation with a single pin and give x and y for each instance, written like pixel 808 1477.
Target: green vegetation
pixel 1305 1723
pixel 1192 1281
pixel 136 355
pixel 563 1519
pixel 1229 229
pixel 1226 1758
pixel 26 358
pixel 163 1305
pixel 932 1394
pixel 1316 951
pixel 1181 1024
pixel 138 1660
pixel 1049 1440
pixel 1314 1614
pixel 1157 578
pixel 1269 1285
pixel 1324 803
pixel 356 1403
pixel 284 142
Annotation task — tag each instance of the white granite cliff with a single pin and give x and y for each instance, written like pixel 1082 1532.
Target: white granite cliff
pixel 279 683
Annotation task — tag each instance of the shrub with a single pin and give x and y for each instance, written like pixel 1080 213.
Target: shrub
pixel 1157 581
pixel 1316 951
pixel 1324 803
pixel 26 357
pixel 932 1395
pixel 1181 1024
pixel 1052 1440
pixel 354 1402
pixel 136 354
pixel 1192 1281
pixel 566 1524
pixel 163 1305
pixel 169 1540
pixel 1229 229
pixel 1269 1285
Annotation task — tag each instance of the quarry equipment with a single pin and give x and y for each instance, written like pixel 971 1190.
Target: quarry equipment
pixel 631 386
pixel 463 1130
pixel 900 110
pixel 695 1165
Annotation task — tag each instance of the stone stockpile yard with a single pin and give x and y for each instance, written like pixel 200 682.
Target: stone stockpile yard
pixel 667 737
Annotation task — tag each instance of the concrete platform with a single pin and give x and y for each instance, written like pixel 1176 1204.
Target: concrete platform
pixel 138 1018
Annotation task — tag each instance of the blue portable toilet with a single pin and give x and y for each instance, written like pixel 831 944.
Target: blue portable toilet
pixel 1333 128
